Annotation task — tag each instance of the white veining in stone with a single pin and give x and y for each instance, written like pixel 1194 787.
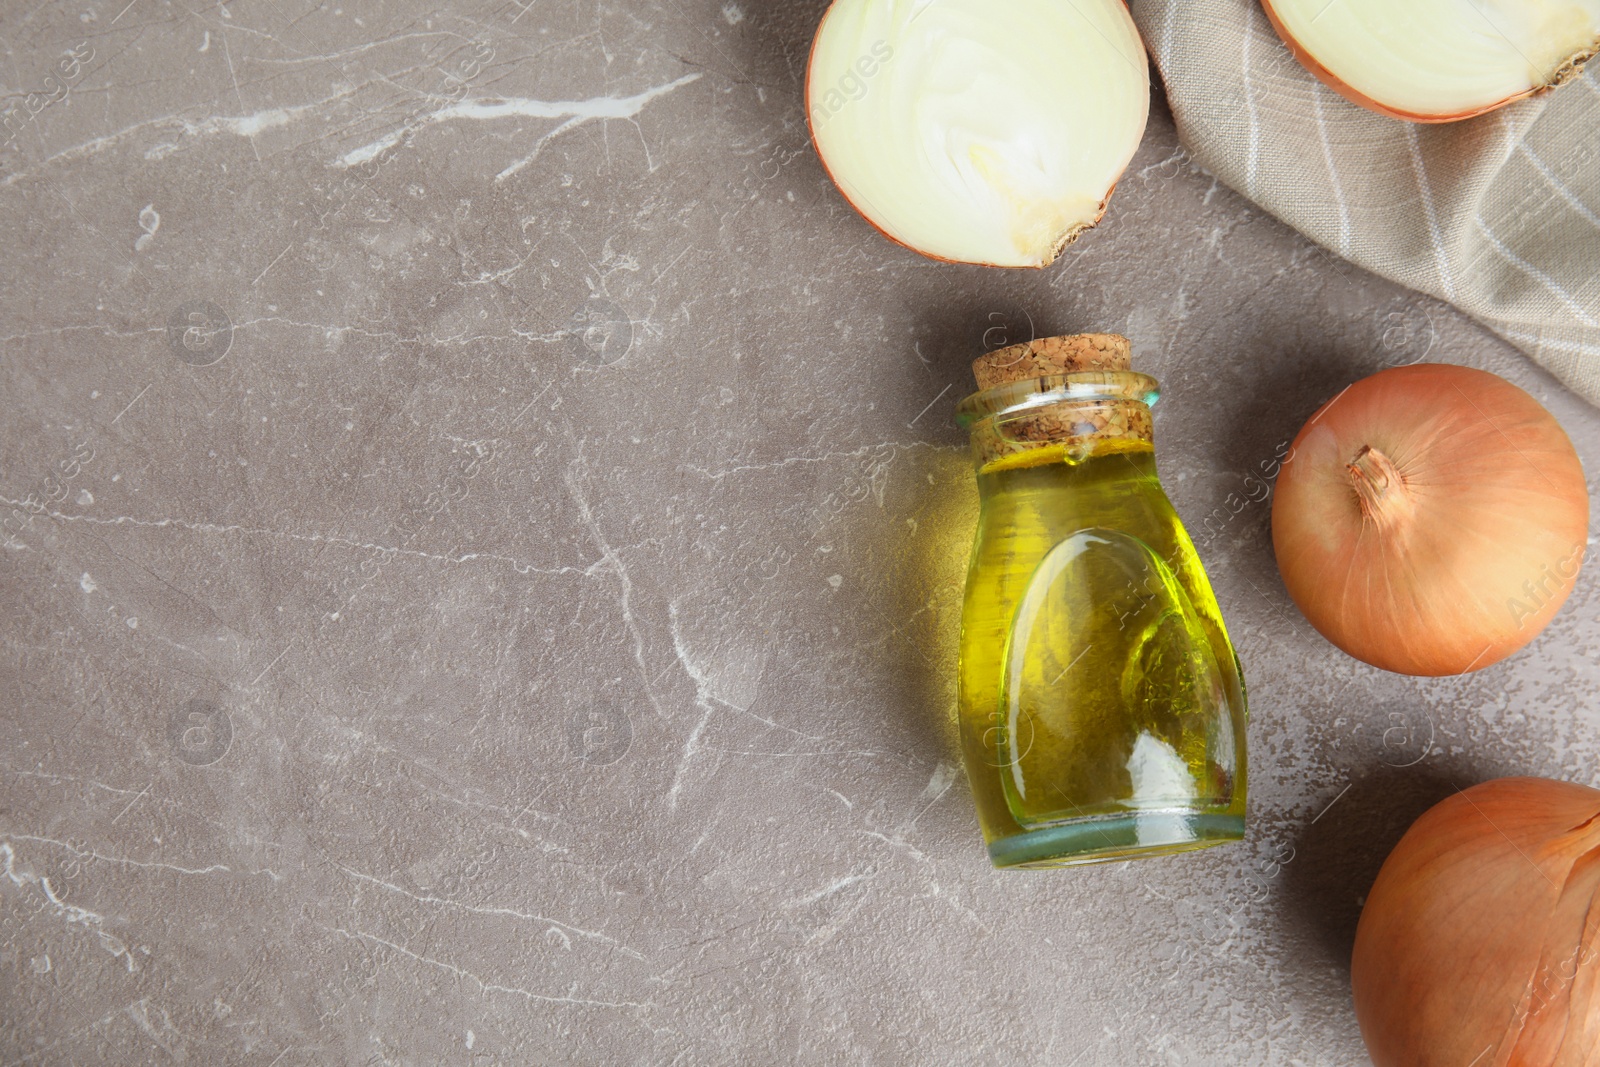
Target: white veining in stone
pixel 487 109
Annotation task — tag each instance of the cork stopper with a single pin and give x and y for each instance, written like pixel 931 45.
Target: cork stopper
pixel 1079 427
pixel 1053 355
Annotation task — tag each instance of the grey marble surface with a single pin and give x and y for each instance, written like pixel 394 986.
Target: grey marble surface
pixel 486 533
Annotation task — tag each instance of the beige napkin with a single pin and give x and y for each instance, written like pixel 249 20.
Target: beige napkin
pixel 1500 215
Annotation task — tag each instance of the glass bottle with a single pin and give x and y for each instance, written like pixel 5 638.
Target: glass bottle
pixel 1102 706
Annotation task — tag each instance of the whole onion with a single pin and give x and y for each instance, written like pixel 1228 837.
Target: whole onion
pixel 1431 519
pixel 1479 945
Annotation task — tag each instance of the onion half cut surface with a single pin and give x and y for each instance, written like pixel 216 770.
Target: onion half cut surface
pixel 978 131
pixel 1438 60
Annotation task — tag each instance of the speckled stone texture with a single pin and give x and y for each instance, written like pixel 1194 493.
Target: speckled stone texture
pixel 485 533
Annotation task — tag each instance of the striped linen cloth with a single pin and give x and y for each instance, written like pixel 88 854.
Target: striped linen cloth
pixel 1499 215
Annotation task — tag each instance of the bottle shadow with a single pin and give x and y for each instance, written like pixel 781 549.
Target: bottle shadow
pixel 920 542
pixel 934 518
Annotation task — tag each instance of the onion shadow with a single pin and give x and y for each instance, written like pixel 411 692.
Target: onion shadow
pixel 1339 853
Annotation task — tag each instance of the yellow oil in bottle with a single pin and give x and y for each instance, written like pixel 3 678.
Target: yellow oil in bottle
pixel 1102 709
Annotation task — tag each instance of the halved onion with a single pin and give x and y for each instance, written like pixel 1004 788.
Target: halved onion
pixel 1438 60
pixel 978 131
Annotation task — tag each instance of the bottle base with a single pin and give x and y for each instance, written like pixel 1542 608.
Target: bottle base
pixel 1112 838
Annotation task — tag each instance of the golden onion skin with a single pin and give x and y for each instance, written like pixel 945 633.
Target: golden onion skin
pixel 1480 941
pixel 1431 519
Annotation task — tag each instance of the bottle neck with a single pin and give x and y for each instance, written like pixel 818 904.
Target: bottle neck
pixel 1057 417
pixel 1064 431
pixel 1023 483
